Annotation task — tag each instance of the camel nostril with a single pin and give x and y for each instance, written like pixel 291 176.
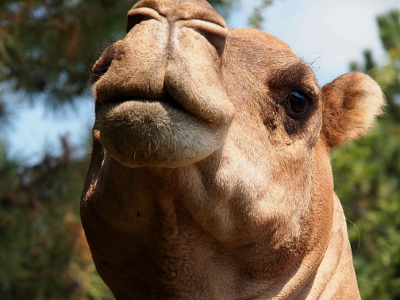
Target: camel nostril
pixel 102 65
pixel 138 15
pixel 213 32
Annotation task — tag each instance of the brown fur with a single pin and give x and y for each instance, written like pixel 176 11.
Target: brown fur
pixel 208 180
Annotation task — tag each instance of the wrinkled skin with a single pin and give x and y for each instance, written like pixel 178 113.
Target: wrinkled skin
pixel 210 175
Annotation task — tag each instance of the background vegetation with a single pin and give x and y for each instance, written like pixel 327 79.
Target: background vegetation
pixel 43 253
pixel 367 177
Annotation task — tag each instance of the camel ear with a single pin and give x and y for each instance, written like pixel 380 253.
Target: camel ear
pixel 351 104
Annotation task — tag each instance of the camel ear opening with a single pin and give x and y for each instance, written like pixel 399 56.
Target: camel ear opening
pixel 351 104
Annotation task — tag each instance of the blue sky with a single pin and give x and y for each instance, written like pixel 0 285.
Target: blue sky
pixel 328 34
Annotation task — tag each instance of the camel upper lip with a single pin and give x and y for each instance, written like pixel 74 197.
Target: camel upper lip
pixel 166 99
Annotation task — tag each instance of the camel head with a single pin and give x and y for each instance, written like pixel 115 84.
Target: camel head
pixel 210 175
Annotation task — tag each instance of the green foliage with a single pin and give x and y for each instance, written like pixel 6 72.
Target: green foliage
pixel 367 178
pixel 43 252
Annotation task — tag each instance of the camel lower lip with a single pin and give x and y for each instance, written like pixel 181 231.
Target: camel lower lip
pixel 153 132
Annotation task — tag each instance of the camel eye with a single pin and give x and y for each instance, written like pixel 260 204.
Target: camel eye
pixel 298 103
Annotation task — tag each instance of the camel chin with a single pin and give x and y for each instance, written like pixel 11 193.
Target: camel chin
pixel 141 133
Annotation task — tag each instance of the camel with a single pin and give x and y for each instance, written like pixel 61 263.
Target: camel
pixel 210 175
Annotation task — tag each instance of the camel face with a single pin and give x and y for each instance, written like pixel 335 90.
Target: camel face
pixel 210 175
pixel 156 106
